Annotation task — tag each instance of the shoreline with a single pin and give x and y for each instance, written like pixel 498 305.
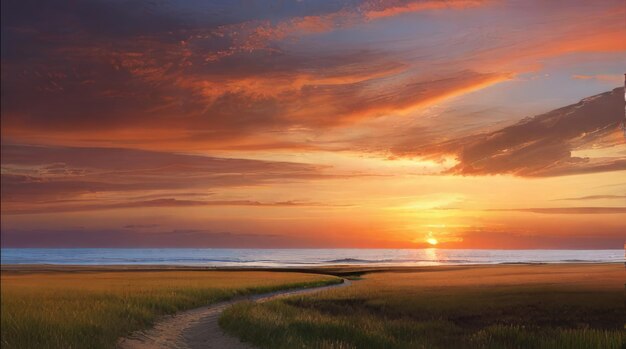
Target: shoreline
pixel 334 270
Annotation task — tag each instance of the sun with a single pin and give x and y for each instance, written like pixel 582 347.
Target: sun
pixel 432 241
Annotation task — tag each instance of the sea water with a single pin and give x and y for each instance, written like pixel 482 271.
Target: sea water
pixel 222 257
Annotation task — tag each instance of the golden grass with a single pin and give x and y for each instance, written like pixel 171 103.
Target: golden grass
pixel 92 309
pixel 540 306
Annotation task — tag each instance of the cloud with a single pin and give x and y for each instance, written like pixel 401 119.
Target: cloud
pixel 256 35
pixel 540 146
pixel 382 9
pixel 147 103
pixel 116 238
pixel 57 206
pixel 594 197
pixel 605 237
pixel 146 75
pixel 610 238
pixel 568 210
pixel 141 226
pixel 36 178
pixel 612 79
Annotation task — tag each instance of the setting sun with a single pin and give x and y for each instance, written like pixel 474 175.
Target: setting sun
pixel 432 241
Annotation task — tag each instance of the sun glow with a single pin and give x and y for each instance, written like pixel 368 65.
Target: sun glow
pixel 432 241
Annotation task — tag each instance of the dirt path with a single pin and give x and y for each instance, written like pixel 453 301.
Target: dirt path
pixel 199 328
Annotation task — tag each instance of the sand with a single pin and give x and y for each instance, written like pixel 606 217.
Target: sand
pixel 199 328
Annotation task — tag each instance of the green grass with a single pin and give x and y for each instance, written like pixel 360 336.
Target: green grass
pixel 476 309
pixel 92 310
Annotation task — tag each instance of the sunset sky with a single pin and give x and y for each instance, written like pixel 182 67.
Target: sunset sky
pixel 313 123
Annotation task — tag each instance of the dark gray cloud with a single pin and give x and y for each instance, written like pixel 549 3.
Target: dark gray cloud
pixel 540 146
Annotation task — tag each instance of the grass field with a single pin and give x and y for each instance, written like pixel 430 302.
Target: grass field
pixel 92 309
pixel 542 306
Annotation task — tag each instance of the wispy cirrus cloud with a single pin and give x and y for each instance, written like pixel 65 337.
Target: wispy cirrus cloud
pixel 78 206
pixel 36 179
pixel 612 79
pixel 543 239
pixel 250 36
pixel 568 210
pixel 126 237
pixel 594 197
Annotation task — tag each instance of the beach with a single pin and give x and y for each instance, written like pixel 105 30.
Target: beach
pixel 579 303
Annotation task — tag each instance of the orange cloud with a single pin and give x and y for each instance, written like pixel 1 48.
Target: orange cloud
pixel 613 79
pixel 153 91
pixel 380 9
pixel 524 51
pixel 77 206
pixel 400 98
pixel 569 210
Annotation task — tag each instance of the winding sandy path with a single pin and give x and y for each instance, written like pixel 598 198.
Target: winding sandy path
pixel 199 328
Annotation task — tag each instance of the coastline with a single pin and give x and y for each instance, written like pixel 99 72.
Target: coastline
pixel 334 270
pixel 294 259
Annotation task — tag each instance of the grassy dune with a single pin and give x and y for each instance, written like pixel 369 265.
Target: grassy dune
pixel 542 306
pixel 92 309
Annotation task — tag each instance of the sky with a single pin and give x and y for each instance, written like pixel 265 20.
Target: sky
pixel 312 123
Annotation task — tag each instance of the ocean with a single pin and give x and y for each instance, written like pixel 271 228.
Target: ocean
pixel 222 257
